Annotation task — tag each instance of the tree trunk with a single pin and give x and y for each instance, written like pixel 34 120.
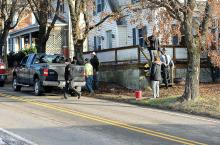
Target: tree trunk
pixel 78 49
pixel 192 77
pixel 3 46
pixel 42 41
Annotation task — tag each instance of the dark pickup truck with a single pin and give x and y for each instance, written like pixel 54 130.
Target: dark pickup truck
pixel 41 71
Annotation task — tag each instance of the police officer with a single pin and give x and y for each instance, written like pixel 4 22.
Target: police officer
pixel 67 78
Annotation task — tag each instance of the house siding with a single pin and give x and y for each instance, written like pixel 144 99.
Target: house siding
pixel 101 31
pixel 123 33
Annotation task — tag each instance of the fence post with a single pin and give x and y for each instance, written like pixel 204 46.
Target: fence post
pixel 174 53
pixel 139 54
pixel 116 56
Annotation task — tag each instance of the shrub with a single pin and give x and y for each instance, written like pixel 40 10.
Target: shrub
pixel 15 58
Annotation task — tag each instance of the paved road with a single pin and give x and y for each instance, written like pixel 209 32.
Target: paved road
pixel 49 120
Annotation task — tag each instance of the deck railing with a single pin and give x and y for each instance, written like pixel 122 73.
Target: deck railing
pixel 133 54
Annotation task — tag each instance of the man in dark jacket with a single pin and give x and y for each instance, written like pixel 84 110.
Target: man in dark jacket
pixel 95 64
pixel 67 77
pixel 155 76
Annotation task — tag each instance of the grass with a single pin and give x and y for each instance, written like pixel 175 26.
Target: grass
pixel 204 106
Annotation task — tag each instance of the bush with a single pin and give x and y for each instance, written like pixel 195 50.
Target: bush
pixel 15 58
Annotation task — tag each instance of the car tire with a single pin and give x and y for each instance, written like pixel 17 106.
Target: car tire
pixel 15 85
pixel 37 88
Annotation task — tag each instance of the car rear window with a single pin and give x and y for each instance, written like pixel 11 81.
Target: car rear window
pixel 49 59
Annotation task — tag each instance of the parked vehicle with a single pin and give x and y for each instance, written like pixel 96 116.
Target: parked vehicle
pixel 3 74
pixel 41 71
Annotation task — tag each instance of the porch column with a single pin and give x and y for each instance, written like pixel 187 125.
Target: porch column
pixel 30 39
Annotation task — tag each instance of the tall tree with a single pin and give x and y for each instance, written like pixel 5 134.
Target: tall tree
pixel 10 10
pixel 41 10
pixel 195 17
pixel 84 11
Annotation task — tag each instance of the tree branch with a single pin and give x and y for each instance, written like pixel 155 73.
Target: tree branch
pixel 33 10
pixel 54 19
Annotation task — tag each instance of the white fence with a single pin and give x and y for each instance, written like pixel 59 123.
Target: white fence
pixel 132 54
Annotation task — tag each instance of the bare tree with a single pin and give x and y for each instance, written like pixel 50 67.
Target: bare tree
pixel 194 17
pixel 84 9
pixel 10 10
pixel 41 10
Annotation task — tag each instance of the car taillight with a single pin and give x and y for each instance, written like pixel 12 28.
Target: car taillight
pixel 2 66
pixel 45 72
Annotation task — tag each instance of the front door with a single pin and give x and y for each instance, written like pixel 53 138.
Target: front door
pixel 109 39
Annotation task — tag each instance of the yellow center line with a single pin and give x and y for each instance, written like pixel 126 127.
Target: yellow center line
pixel 106 121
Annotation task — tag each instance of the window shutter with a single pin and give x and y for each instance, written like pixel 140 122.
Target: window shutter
pixel 103 4
pixel 134 36
pixel 95 43
pixel 95 7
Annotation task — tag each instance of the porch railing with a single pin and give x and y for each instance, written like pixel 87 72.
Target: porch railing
pixel 133 54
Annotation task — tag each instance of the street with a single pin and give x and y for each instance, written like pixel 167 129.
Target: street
pixel 50 120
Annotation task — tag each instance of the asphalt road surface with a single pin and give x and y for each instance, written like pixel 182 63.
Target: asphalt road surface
pixel 50 120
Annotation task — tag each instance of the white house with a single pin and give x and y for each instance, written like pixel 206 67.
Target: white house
pixel 120 33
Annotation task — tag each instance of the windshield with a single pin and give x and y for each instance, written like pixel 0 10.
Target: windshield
pixel 49 59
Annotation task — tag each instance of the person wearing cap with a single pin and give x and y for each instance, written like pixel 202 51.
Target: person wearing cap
pixel 95 64
pixel 89 76
pixel 167 65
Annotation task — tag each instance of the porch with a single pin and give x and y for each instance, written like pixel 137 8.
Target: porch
pixel 27 37
pixel 124 65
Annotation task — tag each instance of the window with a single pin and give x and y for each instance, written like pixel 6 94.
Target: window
pixel 109 39
pixel 140 37
pixel 62 7
pixel 24 61
pixel 144 34
pixel 134 1
pixel 100 5
pixel 134 36
pixel 175 40
pixel 97 43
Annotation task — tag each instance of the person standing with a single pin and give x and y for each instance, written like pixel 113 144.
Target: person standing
pixel 153 45
pixel 95 64
pixel 166 66
pixel 89 76
pixel 155 76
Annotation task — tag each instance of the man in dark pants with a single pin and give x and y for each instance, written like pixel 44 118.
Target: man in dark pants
pixel 167 65
pixel 67 78
pixel 95 64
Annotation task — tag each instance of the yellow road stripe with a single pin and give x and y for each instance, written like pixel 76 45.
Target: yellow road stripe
pixel 106 121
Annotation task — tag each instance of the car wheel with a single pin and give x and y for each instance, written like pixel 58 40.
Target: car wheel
pixel 37 88
pixel 15 85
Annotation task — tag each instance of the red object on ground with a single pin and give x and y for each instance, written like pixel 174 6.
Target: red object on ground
pixel 138 95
